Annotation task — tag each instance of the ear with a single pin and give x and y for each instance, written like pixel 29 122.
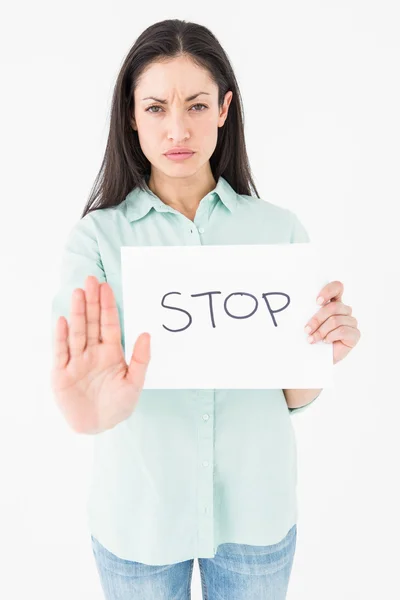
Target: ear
pixel 225 108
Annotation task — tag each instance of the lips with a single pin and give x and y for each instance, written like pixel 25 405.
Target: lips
pixel 179 151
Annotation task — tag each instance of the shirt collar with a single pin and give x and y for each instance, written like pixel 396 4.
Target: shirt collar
pixel 139 203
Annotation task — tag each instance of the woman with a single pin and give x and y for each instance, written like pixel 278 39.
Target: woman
pixel 178 474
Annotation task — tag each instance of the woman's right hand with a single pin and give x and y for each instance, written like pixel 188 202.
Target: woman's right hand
pixel 93 386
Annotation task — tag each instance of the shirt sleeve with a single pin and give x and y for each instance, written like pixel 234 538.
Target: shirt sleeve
pixel 80 258
pixel 299 234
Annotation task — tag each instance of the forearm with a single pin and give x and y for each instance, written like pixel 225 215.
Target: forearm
pixel 296 398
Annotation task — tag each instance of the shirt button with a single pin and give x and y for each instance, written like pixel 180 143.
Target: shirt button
pixel 201 230
pixel 206 417
pixel 205 463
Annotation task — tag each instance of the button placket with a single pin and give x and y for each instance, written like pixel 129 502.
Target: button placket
pixel 205 400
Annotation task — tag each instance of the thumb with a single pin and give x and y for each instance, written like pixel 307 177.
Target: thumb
pixel 140 360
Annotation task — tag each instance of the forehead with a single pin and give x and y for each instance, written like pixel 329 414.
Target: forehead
pixel 178 73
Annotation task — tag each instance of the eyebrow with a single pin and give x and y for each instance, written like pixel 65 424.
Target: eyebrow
pixel 165 101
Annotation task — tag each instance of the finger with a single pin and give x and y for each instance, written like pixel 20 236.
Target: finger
pixel 332 324
pixel 92 292
pixel 331 291
pixel 110 330
pixel 346 334
pixel 61 350
pixel 140 361
pixel 77 328
pixel 325 312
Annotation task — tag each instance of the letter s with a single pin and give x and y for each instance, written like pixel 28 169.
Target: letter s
pixel 175 308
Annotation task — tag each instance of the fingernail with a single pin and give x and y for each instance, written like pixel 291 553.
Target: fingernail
pixel 320 300
pixel 307 329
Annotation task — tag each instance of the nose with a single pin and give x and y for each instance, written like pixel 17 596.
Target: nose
pixel 177 128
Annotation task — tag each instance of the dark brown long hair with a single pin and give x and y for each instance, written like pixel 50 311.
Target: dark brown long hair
pixel 124 165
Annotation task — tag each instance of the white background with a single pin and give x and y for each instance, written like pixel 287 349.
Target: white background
pixel 321 95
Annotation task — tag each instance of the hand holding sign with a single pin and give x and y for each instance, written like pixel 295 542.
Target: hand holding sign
pixel 93 385
pixel 334 322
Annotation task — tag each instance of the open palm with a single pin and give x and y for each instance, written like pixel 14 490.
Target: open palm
pixel 93 386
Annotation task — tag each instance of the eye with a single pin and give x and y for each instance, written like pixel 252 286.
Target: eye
pixel 153 106
pixel 199 104
pixel 157 106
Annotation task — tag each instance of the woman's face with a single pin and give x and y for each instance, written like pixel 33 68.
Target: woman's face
pixel 178 122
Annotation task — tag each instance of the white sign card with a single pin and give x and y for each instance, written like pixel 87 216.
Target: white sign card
pixel 226 316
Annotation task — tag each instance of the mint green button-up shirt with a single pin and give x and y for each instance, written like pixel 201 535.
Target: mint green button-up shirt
pixel 194 468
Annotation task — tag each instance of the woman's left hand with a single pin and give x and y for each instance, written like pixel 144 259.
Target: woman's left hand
pixel 333 322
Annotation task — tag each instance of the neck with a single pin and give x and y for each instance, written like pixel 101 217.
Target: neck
pixel 182 193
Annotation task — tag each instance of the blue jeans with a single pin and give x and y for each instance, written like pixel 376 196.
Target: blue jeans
pixel 237 572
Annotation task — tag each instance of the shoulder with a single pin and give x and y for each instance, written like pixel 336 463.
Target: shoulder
pixel 99 221
pixel 267 211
